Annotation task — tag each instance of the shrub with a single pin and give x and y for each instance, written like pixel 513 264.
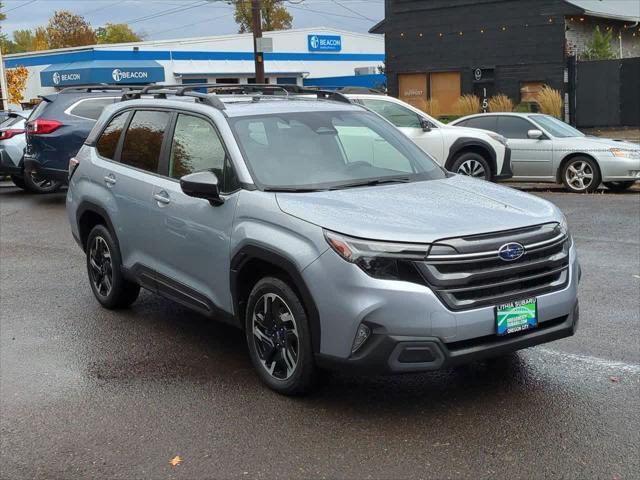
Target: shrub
pixel 550 101
pixel 524 107
pixel 500 103
pixel 468 105
pixel 432 107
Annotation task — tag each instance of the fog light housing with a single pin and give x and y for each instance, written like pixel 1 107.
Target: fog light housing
pixel 361 336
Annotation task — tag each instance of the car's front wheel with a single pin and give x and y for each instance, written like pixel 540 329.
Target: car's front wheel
pixel 278 337
pixel 581 175
pixel 472 164
pixel 619 186
pixel 38 184
pixel 104 266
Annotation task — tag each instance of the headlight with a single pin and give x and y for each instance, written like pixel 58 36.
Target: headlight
pixel 498 138
pixel 386 260
pixel 625 153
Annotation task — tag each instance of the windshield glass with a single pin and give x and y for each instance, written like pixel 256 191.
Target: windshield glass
pixel 321 150
pixel 556 127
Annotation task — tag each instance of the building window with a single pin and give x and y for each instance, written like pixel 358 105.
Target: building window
pixel 228 80
pixel 413 89
pixel 445 88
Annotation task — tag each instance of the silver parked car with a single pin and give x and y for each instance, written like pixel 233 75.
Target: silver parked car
pixel 545 149
pixel 272 213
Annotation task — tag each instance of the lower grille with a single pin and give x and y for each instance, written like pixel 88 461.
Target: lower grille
pixel 468 273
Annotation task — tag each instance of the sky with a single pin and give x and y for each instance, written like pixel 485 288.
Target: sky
pixel 167 19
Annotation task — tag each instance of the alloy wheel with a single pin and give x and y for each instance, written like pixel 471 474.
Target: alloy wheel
pixel 275 334
pixel 101 268
pixel 579 175
pixel 472 168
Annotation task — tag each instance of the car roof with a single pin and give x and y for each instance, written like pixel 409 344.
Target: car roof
pixel 235 108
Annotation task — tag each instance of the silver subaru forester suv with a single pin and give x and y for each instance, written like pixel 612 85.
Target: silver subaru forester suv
pixel 319 229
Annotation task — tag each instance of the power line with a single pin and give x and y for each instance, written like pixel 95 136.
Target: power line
pixel 353 11
pixel 20 6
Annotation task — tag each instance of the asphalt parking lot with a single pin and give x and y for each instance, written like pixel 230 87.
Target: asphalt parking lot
pixel 88 393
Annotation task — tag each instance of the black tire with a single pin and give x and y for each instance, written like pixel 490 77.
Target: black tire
pixel 472 164
pixel 36 184
pixel 619 186
pixel 581 175
pixel 107 282
pixel 18 181
pixel 281 341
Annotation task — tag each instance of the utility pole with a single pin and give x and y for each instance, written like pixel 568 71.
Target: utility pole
pixel 256 18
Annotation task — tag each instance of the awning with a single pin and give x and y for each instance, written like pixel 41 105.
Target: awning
pixel 625 10
pixel 102 71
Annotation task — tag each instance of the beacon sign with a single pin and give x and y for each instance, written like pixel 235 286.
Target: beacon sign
pixel 324 43
pixel 132 76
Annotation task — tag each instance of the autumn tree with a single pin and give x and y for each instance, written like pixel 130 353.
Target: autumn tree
pixel 274 15
pixel 116 33
pixel 16 83
pixel 66 29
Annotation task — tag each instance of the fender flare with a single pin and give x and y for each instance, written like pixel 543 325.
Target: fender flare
pixel 465 142
pixel 251 252
pixel 88 206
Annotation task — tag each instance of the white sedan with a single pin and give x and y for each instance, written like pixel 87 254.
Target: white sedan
pixel 545 149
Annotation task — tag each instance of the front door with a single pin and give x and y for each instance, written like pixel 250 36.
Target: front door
pixel 193 235
pixel 531 159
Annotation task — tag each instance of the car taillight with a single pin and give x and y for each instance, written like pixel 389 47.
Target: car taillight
pixel 39 127
pixel 73 164
pixel 10 132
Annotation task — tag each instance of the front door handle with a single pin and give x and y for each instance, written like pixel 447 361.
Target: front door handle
pixel 162 197
pixel 110 179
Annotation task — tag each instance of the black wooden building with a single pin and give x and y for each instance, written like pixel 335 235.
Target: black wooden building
pixel 440 49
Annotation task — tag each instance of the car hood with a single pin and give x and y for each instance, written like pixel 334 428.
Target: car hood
pixel 467 130
pixel 420 212
pixel 597 142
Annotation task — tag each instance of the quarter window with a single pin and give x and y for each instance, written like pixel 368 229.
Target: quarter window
pixel 91 108
pixel 514 127
pixel 108 141
pixel 397 114
pixel 143 140
pixel 195 146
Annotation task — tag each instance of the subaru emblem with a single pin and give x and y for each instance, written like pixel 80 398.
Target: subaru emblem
pixel 511 251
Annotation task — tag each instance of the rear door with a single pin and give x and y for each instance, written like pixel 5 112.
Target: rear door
pixel 409 122
pixel 530 158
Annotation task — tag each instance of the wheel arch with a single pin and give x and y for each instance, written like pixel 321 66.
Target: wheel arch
pixel 570 156
pixel 253 262
pixel 468 144
pixel 88 216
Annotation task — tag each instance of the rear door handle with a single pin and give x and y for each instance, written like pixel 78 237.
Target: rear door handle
pixel 162 197
pixel 110 179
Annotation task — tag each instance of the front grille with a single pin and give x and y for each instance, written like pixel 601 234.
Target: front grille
pixel 467 272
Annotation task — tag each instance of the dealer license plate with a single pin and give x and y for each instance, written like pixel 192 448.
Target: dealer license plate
pixel 516 316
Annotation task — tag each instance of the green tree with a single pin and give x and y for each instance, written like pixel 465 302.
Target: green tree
pixel 599 48
pixel 116 33
pixel 66 29
pixel 274 15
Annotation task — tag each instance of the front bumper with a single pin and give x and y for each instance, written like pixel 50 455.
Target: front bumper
pixel 405 315
pixel 7 167
pixel 506 171
pixel 32 165
pixel 618 168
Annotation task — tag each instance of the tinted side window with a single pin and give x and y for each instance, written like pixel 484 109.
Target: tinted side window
pixel 195 146
pixel 108 141
pixel 397 114
pixel 514 127
pixel 143 140
pixel 486 122
pixel 91 108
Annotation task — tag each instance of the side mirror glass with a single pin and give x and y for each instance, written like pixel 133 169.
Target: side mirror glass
pixel 426 126
pixel 202 185
pixel 535 134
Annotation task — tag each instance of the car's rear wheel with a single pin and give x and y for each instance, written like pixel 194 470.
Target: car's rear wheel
pixel 581 175
pixel 472 164
pixel 38 184
pixel 104 266
pixel 619 186
pixel 278 337
pixel 18 181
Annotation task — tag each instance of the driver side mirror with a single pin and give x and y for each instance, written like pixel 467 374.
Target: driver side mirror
pixel 426 126
pixel 202 185
pixel 535 134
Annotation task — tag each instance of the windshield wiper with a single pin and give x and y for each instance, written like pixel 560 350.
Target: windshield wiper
pixel 375 181
pixel 291 189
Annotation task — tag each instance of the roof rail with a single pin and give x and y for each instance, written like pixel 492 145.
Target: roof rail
pixel 161 91
pixel 319 92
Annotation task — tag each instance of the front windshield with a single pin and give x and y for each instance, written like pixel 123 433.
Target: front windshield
pixel 323 150
pixel 556 127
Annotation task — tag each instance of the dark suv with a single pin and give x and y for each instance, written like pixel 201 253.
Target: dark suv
pixel 59 126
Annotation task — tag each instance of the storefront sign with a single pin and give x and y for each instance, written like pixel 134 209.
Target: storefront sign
pixel 324 43
pixel 84 73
